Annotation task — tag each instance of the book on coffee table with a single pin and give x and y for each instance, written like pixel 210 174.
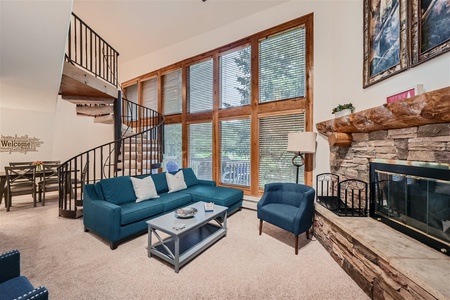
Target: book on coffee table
pixel 209 207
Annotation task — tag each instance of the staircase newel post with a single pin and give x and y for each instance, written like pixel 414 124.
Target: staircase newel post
pixel 117 128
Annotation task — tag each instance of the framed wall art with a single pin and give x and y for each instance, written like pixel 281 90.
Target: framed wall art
pixel 430 29
pixel 386 39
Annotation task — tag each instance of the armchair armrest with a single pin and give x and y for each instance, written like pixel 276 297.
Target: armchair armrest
pixel 40 293
pixel 305 212
pixel 101 216
pixel 9 265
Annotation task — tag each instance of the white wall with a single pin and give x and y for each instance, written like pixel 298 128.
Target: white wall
pixel 338 58
pixel 33 37
pixel 35 124
pixel 75 134
pixel 63 132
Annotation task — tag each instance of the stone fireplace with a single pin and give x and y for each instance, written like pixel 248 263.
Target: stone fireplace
pixel 415 130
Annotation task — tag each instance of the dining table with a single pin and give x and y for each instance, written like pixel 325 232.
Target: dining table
pixel 39 174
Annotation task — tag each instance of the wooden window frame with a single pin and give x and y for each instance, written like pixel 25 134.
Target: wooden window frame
pixel 253 111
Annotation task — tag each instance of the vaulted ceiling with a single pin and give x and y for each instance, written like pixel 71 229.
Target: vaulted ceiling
pixel 34 33
pixel 138 27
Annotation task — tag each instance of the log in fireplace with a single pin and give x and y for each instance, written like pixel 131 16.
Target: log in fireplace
pixel 413 198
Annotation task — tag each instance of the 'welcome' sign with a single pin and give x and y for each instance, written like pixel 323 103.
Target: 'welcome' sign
pixel 22 144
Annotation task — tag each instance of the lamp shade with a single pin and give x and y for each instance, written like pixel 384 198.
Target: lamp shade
pixel 303 142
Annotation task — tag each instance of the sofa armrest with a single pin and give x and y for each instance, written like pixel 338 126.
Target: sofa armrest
pixel 207 182
pixel 9 265
pixel 100 216
pixel 40 293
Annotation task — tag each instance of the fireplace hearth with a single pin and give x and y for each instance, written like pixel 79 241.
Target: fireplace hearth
pixel 413 198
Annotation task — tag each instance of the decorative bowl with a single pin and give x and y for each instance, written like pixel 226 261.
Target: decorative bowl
pixel 185 212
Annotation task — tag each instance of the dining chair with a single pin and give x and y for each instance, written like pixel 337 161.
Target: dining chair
pixel 20 163
pixel 20 180
pixel 49 181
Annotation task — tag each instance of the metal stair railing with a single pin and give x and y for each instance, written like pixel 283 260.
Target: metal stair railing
pixel 91 52
pixel 129 154
pixel 136 154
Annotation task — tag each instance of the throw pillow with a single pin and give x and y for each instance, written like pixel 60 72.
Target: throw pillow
pixel 117 190
pixel 175 182
pixel 144 188
pixel 189 177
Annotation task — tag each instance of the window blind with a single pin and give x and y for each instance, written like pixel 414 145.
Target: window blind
pixel 235 152
pixel 282 65
pixel 150 93
pixel 275 163
pixel 200 86
pixel 235 78
pixel 172 96
pixel 200 149
pixel 131 94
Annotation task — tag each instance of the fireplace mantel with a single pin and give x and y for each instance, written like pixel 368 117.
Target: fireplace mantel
pixel 428 108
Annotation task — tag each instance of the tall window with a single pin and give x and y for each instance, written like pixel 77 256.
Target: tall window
pixel 172 92
pixel 282 66
pixel 235 152
pixel 235 78
pixel 200 86
pixel 200 149
pixel 150 93
pixel 172 146
pixel 275 164
pixel 236 104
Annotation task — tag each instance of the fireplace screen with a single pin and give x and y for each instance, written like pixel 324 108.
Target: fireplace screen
pixel 414 200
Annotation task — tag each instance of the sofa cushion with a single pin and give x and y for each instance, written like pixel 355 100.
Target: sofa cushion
pixel 175 182
pixel 174 200
pixel 144 188
pixel 99 191
pixel 220 195
pixel 189 177
pixel 15 287
pixel 282 215
pixel 132 211
pixel 118 190
pixel 160 182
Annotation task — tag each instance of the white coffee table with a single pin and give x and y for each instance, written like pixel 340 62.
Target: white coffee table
pixel 200 232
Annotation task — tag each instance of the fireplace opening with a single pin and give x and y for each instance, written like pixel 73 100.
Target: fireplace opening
pixel 413 198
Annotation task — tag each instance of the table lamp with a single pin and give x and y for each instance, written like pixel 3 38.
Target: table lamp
pixel 300 143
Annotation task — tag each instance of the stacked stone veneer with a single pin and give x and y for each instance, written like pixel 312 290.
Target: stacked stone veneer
pixel 427 143
pixel 375 274
pixel 380 280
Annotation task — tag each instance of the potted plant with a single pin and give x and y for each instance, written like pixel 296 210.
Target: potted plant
pixel 343 109
pixel 38 164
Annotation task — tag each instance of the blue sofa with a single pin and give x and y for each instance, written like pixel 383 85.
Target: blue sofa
pixel 14 286
pixel 110 209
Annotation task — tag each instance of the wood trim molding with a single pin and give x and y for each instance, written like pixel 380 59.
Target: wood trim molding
pixel 428 108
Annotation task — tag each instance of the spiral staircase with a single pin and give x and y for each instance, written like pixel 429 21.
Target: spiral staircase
pixel 90 81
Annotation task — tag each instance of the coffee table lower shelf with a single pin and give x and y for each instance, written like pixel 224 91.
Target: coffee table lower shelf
pixel 179 249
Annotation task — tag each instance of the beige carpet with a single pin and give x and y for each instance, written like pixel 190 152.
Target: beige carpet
pixel 72 264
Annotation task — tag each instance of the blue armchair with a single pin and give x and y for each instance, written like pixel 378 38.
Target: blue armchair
pixel 289 206
pixel 14 286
